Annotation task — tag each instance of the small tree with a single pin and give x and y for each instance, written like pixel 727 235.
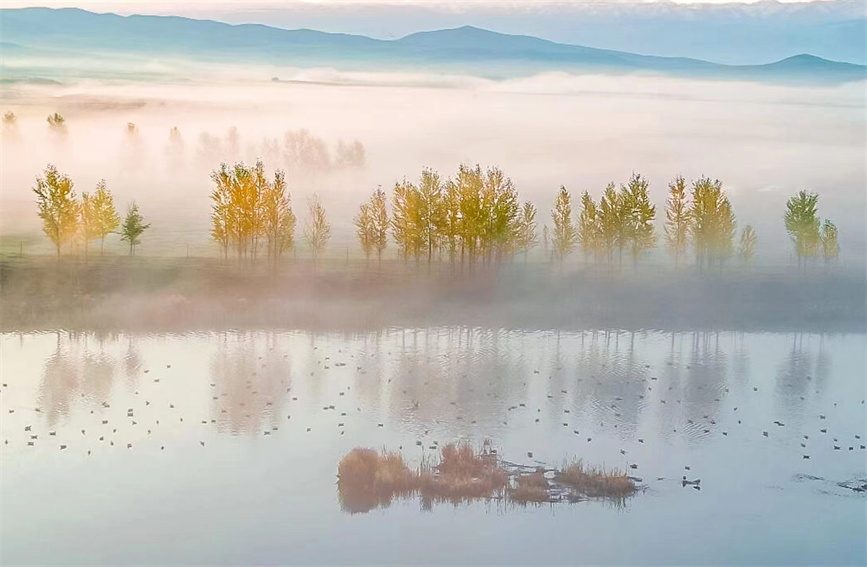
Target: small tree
pixel 678 222
pixel 105 216
pixel 87 221
pixel 565 235
pixel 277 218
pixel 132 228
pixel 526 234
pixel 364 229
pixel 57 206
pixel 57 125
pixel 830 246
pixel 802 224
pixel 174 151
pixel 379 221
pixel 350 154
pixel 610 220
pixel 588 227
pixel 10 123
pixel 317 230
pixel 747 250
pixel 639 217
pixel 712 222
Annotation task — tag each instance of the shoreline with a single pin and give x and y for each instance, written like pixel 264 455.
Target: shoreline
pixel 168 294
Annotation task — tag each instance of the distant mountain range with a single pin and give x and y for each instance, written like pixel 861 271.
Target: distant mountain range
pixel 31 32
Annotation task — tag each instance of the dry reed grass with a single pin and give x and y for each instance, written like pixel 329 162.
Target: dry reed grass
pixel 530 488
pixel 368 479
pixel 596 482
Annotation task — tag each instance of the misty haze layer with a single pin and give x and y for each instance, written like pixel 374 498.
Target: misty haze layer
pixel 764 142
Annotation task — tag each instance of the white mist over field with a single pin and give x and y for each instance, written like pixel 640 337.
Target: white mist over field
pixel 764 142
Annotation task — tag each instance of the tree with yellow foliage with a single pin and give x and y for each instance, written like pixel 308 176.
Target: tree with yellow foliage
pixel 713 222
pixel 99 218
pixel 565 236
pixel 57 206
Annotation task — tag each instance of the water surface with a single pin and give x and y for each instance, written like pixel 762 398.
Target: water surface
pixel 223 452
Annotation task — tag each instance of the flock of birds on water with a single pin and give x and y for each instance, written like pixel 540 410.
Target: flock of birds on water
pixel 35 432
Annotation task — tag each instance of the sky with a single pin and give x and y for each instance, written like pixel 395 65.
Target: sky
pixel 164 7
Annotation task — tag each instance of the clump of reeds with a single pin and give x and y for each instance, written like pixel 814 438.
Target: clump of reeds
pixel 530 488
pixel 595 482
pixel 462 474
pixel 367 479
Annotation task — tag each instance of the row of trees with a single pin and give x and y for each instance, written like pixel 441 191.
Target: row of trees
pixel 474 217
pixel 478 215
pixel 250 212
pixel 66 219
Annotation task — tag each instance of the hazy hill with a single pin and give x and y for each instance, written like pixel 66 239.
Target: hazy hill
pixel 464 49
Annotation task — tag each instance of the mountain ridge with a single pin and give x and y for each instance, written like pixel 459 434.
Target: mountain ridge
pixel 465 48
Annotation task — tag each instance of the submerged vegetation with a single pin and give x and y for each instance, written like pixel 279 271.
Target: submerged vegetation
pixel 368 479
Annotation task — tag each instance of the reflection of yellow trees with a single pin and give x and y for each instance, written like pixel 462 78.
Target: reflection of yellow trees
pixel 249 385
pixel 59 385
pixel 66 376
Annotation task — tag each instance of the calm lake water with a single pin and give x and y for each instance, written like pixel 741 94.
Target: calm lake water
pixel 216 448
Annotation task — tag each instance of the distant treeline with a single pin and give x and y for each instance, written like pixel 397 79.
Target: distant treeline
pixel 474 217
pixel 299 151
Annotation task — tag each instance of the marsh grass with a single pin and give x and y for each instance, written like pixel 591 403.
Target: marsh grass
pixel 368 479
pixel 595 482
pixel 531 488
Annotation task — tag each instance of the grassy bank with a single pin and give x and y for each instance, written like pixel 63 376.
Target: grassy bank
pixel 176 294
